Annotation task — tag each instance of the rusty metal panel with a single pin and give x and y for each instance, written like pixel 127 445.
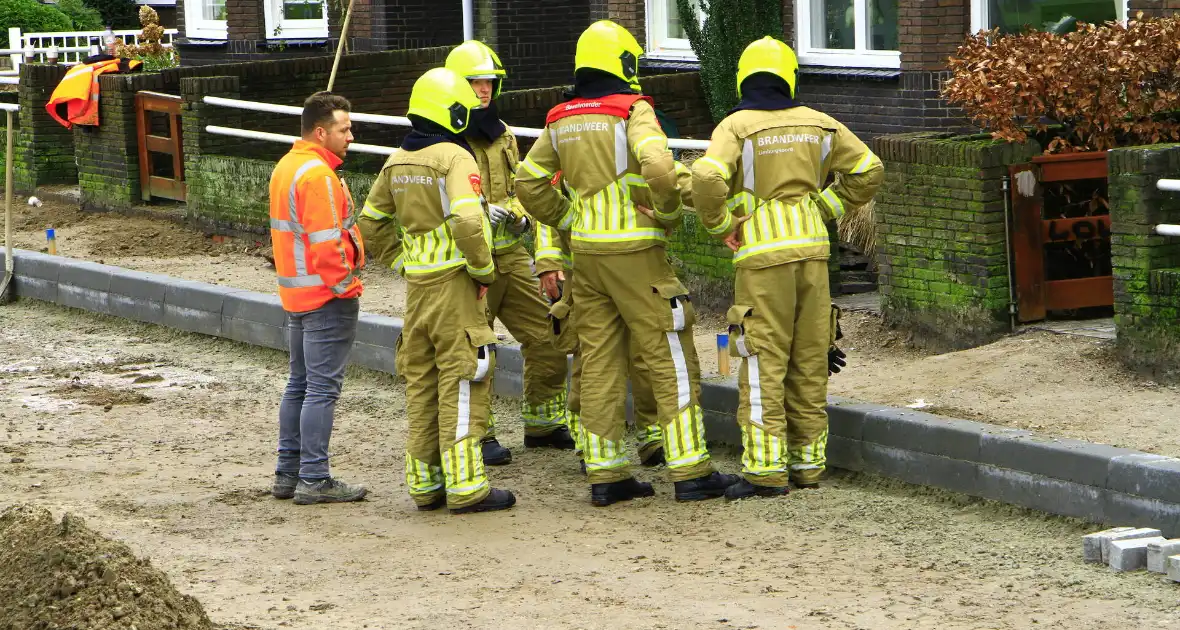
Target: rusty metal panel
pixel 1028 250
pixel 1079 293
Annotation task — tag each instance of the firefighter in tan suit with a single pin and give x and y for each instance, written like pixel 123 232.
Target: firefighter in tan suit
pixel 622 181
pixel 759 188
pixel 425 205
pixel 514 297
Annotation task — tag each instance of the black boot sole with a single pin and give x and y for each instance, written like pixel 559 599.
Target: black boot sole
pixel 546 441
pixel 614 498
pixel 430 507
pixel 499 461
pixel 484 506
pixel 760 491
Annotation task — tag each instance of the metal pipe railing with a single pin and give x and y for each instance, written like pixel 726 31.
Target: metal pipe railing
pixel 402 121
pixel 359 147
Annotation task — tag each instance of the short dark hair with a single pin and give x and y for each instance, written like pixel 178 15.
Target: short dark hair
pixel 320 108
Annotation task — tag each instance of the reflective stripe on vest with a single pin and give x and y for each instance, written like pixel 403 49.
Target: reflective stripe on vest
pixel 436 250
pixel 775 225
pixel 609 215
pixel 302 239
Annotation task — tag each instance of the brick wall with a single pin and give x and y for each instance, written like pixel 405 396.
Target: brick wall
pixel 940 229
pixel 1146 266
pixel 1153 8
pixel 929 31
pixel 421 23
pixel 43 149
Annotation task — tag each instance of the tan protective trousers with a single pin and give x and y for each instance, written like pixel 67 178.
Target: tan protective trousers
pixel 446 352
pixel 515 299
pixel 636 298
pixel 562 329
pixel 780 327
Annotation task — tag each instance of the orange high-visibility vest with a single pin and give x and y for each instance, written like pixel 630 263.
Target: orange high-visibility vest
pixel 317 245
pixel 77 93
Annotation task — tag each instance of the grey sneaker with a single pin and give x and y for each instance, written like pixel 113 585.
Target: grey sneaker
pixel 327 491
pixel 284 485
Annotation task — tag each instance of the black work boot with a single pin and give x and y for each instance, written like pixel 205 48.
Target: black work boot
pixel 284 485
pixel 744 490
pixel 494 454
pixel 708 487
pixel 604 494
pixel 433 505
pixel 497 499
pixel 806 485
pixel 560 438
pixel 656 458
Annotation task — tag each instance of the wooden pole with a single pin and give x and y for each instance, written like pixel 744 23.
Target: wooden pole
pixel 340 46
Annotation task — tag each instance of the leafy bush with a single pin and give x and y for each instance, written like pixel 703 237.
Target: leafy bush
pixel 1098 87
pixel 119 14
pixel 84 18
pixel 149 50
pixel 730 26
pixel 31 17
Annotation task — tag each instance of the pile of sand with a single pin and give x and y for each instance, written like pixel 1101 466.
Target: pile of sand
pixel 64 576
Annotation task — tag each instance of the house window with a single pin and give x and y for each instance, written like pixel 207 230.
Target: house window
pixel 665 33
pixel 205 19
pixel 1011 16
pixel 850 33
pixel 295 19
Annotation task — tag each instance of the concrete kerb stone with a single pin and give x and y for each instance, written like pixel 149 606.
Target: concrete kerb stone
pixel 1110 539
pixel 1093 543
pixel 1091 481
pixel 1158 553
pixel 1131 555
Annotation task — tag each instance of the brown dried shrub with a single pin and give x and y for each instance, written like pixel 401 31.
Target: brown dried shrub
pixel 1089 90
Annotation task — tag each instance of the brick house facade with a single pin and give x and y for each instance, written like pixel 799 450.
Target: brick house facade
pixel 877 65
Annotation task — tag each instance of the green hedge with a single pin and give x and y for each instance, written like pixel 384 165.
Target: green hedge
pixel 31 17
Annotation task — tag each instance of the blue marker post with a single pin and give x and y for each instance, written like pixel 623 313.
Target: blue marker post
pixel 723 353
pixel 52 238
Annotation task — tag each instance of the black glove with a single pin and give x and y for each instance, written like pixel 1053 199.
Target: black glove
pixel 836 360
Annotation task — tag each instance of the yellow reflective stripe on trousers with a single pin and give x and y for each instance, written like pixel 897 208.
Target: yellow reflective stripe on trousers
pixel 684 438
pixel 421 477
pixel 601 453
pixel 809 456
pixel 649 434
pixel 463 468
pixel 762 453
pixel 550 414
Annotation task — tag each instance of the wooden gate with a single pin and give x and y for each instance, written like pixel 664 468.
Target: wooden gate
pixel 1061 234
pixel 152 183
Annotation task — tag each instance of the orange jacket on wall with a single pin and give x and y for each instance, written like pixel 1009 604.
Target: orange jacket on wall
pixel 317 246
pixel 75 99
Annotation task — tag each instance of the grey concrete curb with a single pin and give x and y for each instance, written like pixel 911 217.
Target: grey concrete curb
pixel 1095 482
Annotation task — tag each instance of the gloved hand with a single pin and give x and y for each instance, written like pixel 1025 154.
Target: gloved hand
pixel 520 226
pixel 836 360
pixel 498 215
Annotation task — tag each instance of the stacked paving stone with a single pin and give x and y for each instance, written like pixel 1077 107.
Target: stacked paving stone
pixel 1132 549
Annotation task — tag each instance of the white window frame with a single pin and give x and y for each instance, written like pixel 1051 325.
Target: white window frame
pixel 197 27
pixel 293 29
pixel 659 45
pixel 858 57
pixel 980 15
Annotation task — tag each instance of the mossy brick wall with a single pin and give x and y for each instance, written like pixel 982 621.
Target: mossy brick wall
pixel 940 217
pixel 108 155
pixel 1146 266
pixel 44 151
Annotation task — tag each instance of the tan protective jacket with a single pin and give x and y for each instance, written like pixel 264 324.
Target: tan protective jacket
pixel 424 213
pixel 773 165
pixel 609 164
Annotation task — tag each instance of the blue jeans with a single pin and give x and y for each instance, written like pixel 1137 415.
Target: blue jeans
pixel 320 343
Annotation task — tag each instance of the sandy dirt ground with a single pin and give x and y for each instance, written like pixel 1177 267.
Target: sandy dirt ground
pixel 1055 384
pixel 164 441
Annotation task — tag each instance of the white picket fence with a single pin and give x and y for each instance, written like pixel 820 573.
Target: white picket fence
pixel 72 46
